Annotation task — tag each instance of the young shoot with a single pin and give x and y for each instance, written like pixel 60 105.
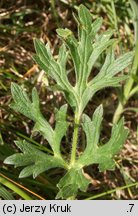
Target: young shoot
pixel 84 52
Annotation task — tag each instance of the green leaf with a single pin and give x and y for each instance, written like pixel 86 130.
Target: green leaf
pixel 62 58
pixel 96 25
pixel 92 131
pixel 35 160
pixel 55 69
pixel 64 33
pixel 60 128
pixel 54 137
pixel 75 179
pixel 101 43
pixel 44 128
pixel 102 155
pixel 108 61
pixel 5 194
pixel 71 183
pixel 92 128
pixel 71 43
pixel 92 88
pixel 85 17
pixel 121 63
pixel 106 78
pixel 31 109
pixel 84 51
pixel 23 104
pixel 113 146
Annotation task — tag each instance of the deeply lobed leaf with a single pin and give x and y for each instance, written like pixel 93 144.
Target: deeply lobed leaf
pixel 35 160
pixel 102 155
pixel 71 183
pixel 84 51
pixel 55 69
pixel 31 109
pixel 23 104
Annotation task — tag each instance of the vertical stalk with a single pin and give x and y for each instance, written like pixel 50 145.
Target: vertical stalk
pixel 134 6
pixel 75 139
pixel 128 88
pixel 118 112
pixel 114 14
pixel 53 6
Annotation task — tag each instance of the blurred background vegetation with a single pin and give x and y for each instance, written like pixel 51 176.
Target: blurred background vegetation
pixel 20 22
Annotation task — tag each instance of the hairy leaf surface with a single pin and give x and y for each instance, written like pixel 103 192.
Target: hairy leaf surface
pixel 31 109
pixel 35 160
pixel 71 183
pixel 102 155
pixel 84 50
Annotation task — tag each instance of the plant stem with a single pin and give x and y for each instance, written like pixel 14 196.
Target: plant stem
pixel 134 6
pixel 111 191
pixel 114 14
pixel 14 188
pixel 118 112
pixel 128 88
pixel 53 6
pixel 75 139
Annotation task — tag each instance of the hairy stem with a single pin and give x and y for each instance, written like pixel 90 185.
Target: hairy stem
pixel 75 139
